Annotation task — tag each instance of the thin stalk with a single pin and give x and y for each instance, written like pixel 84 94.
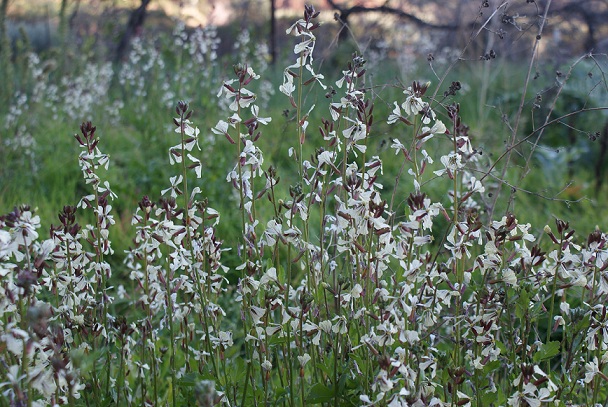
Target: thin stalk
pixel 268 357
pixel 190 247
pixel 518 115
pixel 95 385
pixel 185 177
pixel 302 381
pixel 22 305
pixel 600 376
pixel 286 305
pixel 336 345
pixel 142 355
pixel 552 297
pixel 120 374
pixel 153 350
pixel 243 229
pixel 145 328
pixel 458 266
pixel 99 258
pixel 243 398
pixel 301 134
pixel 168 291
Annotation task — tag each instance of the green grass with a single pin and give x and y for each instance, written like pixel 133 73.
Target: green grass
pixel 137 142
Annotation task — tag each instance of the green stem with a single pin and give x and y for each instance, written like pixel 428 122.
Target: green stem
pixel 286 305
pixel 120 374
pixel 552 299
pixel 172 337
pixel 336 346
pixel 243 397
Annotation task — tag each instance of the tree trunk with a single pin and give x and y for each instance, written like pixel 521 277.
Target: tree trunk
pixel 63 24
pixel 3 34
pixel 273 27
pixel 6 67
pixel 136 20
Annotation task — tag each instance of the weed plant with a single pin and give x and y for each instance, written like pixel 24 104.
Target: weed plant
pixel 344 285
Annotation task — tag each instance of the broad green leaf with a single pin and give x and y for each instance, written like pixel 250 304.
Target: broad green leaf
pixel 189 379
pixel 501 346
pixel 327 368
pixel 240 370
pixel 491 366
pixel 319 393
pixel 582 324
pixel 523 304
pixel 547 351
pixel 276 340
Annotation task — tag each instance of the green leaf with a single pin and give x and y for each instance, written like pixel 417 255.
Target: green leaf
pixel 547 351
pixel 536 310
pixel 582 324
pixel 361 362
pixel 523 304
pixel 493 398
pixel 319 393
pixel 281 396
pixel 240 370
pixel 189 379
pixel 275 340
pixel 502 347
pixel 492 366
pixel 328 370
pixel 488 398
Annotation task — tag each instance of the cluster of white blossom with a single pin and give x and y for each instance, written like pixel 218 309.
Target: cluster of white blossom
pixel 340 289
pixel 37 369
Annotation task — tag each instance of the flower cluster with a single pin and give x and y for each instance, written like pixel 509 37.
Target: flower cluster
pixel 345 287
pixel 303 28
pixel 37 369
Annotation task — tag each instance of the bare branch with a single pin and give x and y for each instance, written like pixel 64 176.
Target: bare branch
pixel 344 13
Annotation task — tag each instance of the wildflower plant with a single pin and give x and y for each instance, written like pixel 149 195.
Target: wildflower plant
pixel 346 287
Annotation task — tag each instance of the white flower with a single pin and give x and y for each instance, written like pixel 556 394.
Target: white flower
pixel 287 87
pixel 509 277
pixel 255 110
pixel 429 132
pixel 270 275
pixel 395 115
pixel 246 98
pixel 256 313
pixel 592 369
pixel 196 165
pixel 300 23
pixel 304 359
pixel 409 336
pixel 106 187
pixel 476 185
pixel 220 128
pixel 273 233
pixel 356 132
pixel 428 114
pixel 224 339
pixel 174 188
pixel 398 146
pixel 340 326
pixel 564 307
pixel 24 231
pixel 413 104
pixel 327 157
pixel 266 365
pixel 452 162
pixel 315 330
pixel 383 383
